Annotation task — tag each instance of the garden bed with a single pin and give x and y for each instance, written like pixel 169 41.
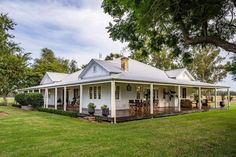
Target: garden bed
pixel 2 114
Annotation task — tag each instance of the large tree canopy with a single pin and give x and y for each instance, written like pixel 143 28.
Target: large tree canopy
pixel 48 62
pixel 207 65
pixel 73 67
pixel 175 23
pixel 164 59
pixel 231 67
pixel 13 62
pixel 111 56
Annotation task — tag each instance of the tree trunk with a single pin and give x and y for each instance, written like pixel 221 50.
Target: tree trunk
pixel 5 100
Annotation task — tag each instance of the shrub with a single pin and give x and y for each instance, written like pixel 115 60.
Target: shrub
pixel 60 112
pixel 231 98
pixel 21 99
pixel 103 107
pixel 16 105
pixel 91 105
pixel 35 99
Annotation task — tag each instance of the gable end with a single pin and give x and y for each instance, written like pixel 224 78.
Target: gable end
pixel 93 69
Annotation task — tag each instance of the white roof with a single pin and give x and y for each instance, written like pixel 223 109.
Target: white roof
pixel 141 69
pixel 111 67
pixel 177 72
pixel 55 77
pixel 137 71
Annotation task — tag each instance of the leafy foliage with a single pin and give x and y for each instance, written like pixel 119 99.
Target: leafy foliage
pixel 13 62
pixel 73 67
pixel 91 105
pixel 21 98
pixel 207 65
pixel 164 59
pixel 60 112
pixel 111 56
pixel 103 107
pixel 48 62
pixel 146 24
pixel 231 67
pixel 34 99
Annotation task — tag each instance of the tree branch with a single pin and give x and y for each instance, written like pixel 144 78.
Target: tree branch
pixel 215 40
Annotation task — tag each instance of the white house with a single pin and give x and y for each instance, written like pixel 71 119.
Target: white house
pixel 125 85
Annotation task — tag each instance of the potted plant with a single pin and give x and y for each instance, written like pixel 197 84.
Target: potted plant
pixel 222 102
pixel 59 101
pixel 73 101
pixel 105 110
pixel 196 98
pixel 91 108
pixel 231 98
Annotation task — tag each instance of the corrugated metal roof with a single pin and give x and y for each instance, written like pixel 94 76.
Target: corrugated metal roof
pixel 55 77
pixel 174 73
pixel 109 66
pixel 138 71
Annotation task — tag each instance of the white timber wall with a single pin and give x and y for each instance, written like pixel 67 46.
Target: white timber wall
pixel 51 93
pixel 105 96
pixel 166 102
pixel 51 96
pixel 189 92
pixel 125 96
pixel 95 70
pixel 46 79
pixel 184 76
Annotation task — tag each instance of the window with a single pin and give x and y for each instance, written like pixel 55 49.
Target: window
pixel 99 92
pixel 155 94
pixel 184 92
pixel 164 93
pixel 117 92
pixel 95 92
pixel 90 92
pixel 94 69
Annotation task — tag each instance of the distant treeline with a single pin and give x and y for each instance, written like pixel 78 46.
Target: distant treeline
pixel 232 93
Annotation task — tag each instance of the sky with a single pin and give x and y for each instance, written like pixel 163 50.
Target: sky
pixel 73 29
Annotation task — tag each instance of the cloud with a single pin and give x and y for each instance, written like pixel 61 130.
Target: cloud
pixel 73 29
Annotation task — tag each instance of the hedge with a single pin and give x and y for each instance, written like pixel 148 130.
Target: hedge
pixel 16 105
pixel 34 99
pixel 60 112
pixel 21 99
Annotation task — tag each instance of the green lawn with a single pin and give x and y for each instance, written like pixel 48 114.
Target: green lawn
pixel 31 133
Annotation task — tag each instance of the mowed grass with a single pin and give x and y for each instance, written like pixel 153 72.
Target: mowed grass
pixel 32 133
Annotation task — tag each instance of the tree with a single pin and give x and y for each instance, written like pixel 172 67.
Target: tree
pixel 231 67
pixel 73 67
pixel 48 62
pixel 207 65
pixel 13 62
pixel 111 56
pixel 163 60
pixel 173 23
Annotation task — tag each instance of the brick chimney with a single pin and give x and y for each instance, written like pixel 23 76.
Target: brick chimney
pixel 125 64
